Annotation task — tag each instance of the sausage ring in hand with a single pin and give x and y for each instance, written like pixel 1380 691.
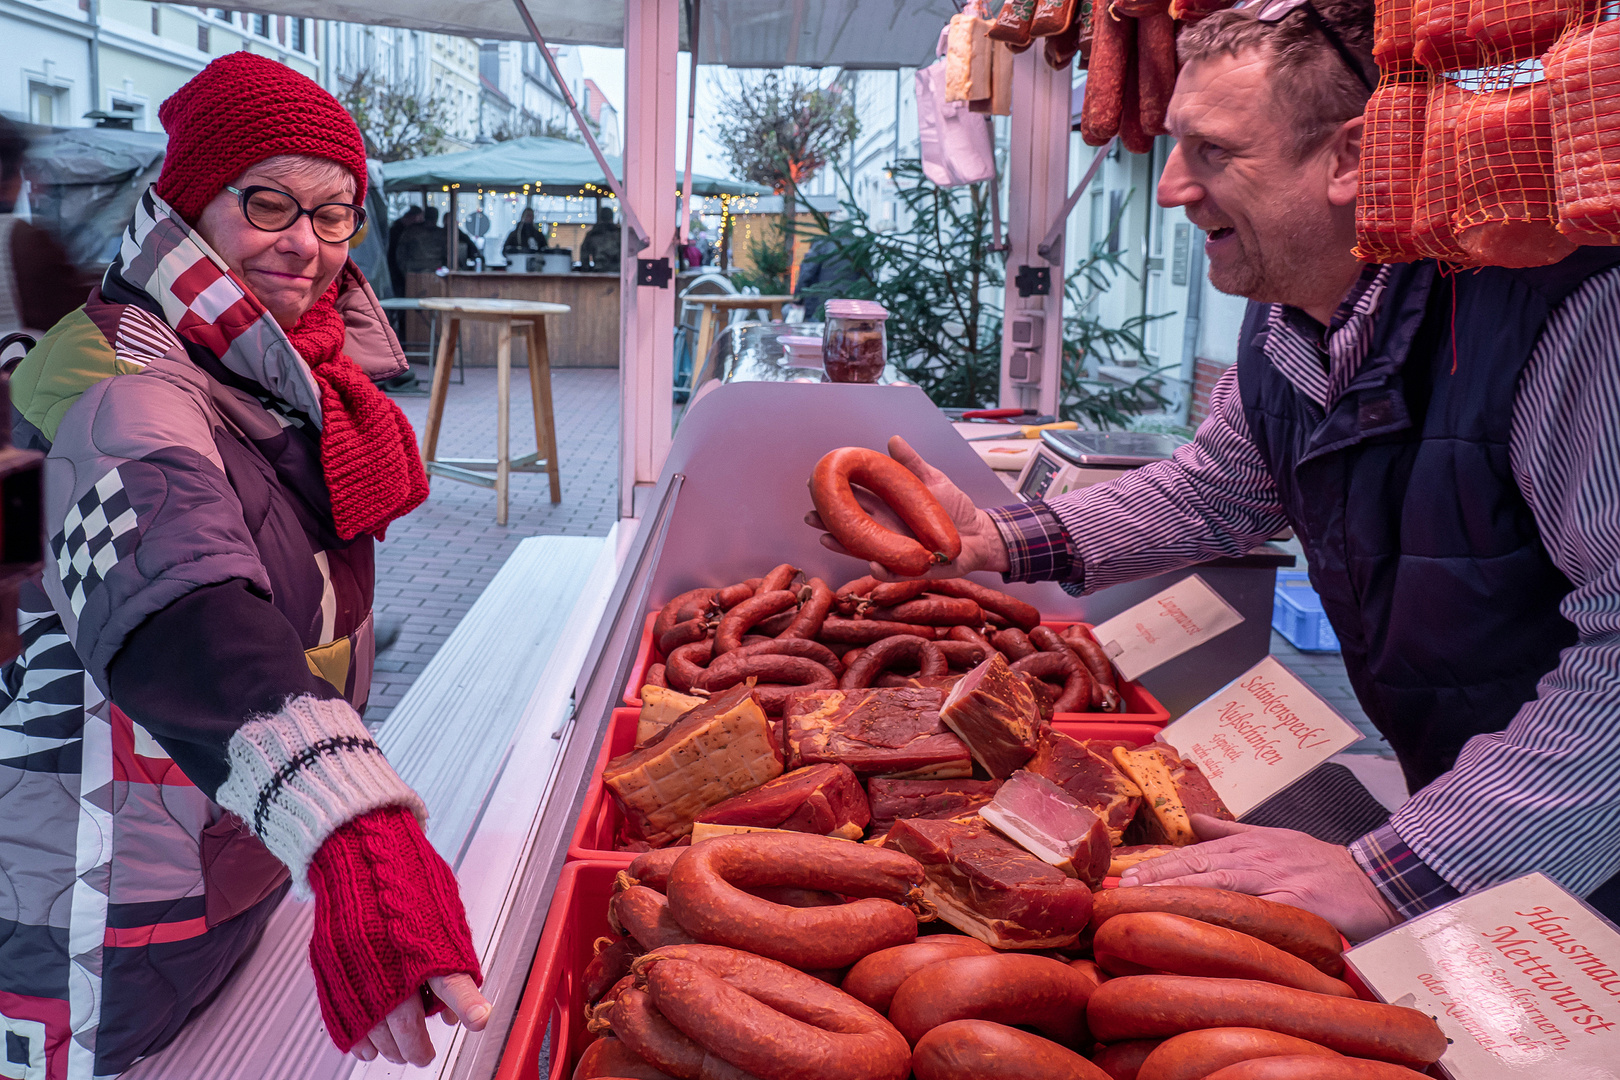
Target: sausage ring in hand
pixel 859 532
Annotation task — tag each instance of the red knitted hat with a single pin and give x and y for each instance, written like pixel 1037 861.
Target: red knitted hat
pixel 240 110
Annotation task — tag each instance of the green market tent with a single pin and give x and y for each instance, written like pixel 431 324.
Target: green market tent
pixel 537 164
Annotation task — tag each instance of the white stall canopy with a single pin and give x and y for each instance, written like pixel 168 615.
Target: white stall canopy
pixel 739 33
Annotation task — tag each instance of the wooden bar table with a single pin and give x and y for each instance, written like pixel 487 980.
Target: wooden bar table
pixel 709 320
pixel 528 317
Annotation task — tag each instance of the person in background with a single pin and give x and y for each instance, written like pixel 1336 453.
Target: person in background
pixel 396 232
pixel 421 246
pixel 525 238
pixel 599 250
pixel 198 650
pixel 38 283
pixel 825 274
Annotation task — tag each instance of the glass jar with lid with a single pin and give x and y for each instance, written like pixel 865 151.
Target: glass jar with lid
pixel 854 345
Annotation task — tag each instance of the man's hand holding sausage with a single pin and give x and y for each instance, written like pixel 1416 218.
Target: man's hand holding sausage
pixel 1274 864
pixel 982 545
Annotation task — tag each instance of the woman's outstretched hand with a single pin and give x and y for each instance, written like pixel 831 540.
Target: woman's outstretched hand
pixel 403 1036
pixel 982 545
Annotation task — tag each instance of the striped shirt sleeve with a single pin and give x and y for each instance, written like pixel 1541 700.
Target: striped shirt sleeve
pixel 1541 794
pixel 1213 498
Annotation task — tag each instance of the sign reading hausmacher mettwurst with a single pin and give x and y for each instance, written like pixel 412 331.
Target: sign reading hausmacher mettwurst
pixel 1523 978
pixel 1165 625
pixel 1258 734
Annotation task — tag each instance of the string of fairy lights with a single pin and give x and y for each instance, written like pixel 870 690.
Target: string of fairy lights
pixel 577 209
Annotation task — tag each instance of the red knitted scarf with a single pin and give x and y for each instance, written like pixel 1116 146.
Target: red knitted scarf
pixel 368 450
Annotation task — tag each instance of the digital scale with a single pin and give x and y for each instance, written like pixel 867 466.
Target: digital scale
pixel 1067 460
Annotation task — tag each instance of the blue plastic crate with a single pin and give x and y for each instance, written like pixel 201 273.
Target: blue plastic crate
pixel 1297 614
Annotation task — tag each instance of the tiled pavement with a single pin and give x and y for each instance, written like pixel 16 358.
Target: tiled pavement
pixel 437 560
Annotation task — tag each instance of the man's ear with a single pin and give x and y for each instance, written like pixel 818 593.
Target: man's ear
pixel 1344 161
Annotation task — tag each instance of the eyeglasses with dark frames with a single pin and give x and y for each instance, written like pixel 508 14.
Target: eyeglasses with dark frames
pixel 1275 11
pixel 270 209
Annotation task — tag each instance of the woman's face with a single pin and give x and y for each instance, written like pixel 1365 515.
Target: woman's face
pixel 289 270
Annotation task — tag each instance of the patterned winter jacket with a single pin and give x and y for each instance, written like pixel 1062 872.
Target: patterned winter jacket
pixel 182 730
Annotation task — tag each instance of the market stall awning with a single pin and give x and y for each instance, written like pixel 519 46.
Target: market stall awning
pixel 545 165
pixel 739 33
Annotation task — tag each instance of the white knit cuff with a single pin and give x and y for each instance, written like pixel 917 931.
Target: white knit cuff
pixel 300 774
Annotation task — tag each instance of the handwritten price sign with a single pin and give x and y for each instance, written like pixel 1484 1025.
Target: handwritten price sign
pixel 1258 734
pixel 1165 625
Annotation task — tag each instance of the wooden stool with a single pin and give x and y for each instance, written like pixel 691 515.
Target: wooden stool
pixel 529 317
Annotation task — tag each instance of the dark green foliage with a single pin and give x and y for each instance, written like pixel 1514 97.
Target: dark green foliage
pixel 771 264
pixel 943 287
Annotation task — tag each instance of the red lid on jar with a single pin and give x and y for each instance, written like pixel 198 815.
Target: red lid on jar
pixel 855 309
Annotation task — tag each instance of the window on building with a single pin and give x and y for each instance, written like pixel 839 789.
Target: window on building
pixel 157 25
pixel 136 108
pixel 281 29
pixel 46 104
pixel 224 14
pixel 261 25
pixel 1116 204
pixel 1099 224
pixel 202 37
pixel 299 42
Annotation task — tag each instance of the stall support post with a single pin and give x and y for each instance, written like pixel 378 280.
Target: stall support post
pixel 1037 184
pixel 652 35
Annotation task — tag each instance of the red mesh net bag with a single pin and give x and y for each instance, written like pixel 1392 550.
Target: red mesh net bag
pixel 1507 213
pixel 1391 158
pixel 1437 180
pixel 1511 30
pixel 1440 40
pixel 1583 76
pixel 1393 36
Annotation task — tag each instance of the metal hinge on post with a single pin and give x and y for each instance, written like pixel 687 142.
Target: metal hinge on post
pixel 653 272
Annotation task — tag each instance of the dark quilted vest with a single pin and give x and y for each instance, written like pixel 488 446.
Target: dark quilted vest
pixel 1426 556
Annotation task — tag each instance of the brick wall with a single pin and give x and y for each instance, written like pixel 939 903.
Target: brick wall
pixel 1205 372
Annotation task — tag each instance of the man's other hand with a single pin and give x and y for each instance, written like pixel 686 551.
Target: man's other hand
pixel 982 545
pixel 1274 864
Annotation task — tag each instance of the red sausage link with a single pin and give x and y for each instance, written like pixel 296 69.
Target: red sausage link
pixel 855 595
pixel 1155 67
pixel 1193 1055
pixel 875 977
pixel 933 611
pixel 729 597
pixel 891 593
pixel 1293 930
pixel 1149 1006
pixel 1013 610
pixel 796 671
pixel 782 646
pixel 1177 945
pixel 651 868
pixel 1046 639
pixel 774 626
pixel 902 648
pixel 1013 643
pixel 685 665
pixel 778 579
pixel 1292 1067
pixel 1007 988
pixel 648 1035
pixel 1090 970
pixel 643 913
pixel 688 605
pixel 813 611
pixel 866 631
pixel 1105 688
pixel 1121 1060
pixel 907 496
pixel 1076 696
pixel 771 1020
pixel 981 1050
pixel 970 636
pixel 706 895
pixel 655 676
pixel 610 962
pixel 1111 41
pixel 607 1058
pixel 682 633
pixel 963 655
pixel 741 618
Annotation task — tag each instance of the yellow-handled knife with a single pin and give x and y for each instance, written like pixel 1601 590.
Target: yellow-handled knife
pixel 1028 431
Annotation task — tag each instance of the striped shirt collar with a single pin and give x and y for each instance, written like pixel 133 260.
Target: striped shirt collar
pixel 1321 362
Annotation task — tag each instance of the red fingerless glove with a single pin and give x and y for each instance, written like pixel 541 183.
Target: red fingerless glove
pixel 388 916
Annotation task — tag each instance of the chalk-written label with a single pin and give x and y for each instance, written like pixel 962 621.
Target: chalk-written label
pixel 1258 734
pixel 1164 626
pixel 1523 978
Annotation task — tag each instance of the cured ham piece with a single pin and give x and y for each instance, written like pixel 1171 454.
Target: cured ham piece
pixel 1050 824
pixel 825 799
pixel 994 712
pixel 1391 162
pixel 722 748
pixel 1088 772
pixel 991 888
pixel 893 799
pixel 1583 75
pixel 876 732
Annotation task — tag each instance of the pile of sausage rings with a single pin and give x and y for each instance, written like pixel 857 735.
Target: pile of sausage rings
pixel 788 956
pixel 794 634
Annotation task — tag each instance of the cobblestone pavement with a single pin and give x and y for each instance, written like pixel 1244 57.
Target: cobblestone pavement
pixel 437 560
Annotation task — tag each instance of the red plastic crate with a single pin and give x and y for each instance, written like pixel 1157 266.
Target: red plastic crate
pixel 1141 707
pixel 553 999
pixel 599 817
